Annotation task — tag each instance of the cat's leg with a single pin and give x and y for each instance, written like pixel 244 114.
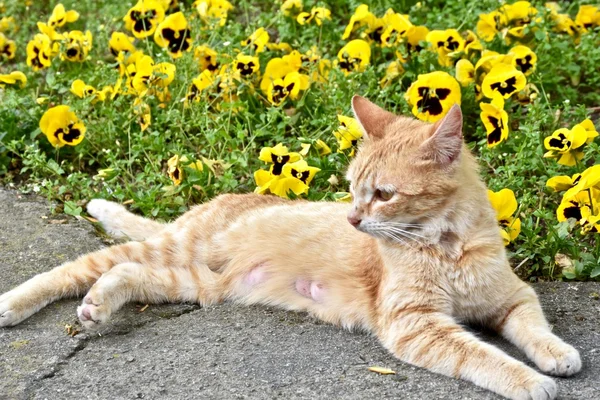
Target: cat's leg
pixel 120 223
pixel 421 336
pixel 522 322
pixel 137 282
pixel 68 280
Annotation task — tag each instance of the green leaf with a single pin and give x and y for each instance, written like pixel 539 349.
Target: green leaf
pixel 72 209
pixel 595 272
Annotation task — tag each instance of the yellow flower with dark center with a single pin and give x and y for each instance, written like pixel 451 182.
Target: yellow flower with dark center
pixel 495 120
pixel 169 5
pixel 62 127
pixel 173 33
pixel 289 86
pixel 523 58
pixel 564 24
pixel 588 16
pixel 465 72
pixel 571 207
pixel 39 51
pixel 562 183
pixel 415 36
pixel 589 223
pixel 8 24
pixel 174 170
pixel 393 70
pixel 362 17
pixel 565 145
pixel 143 18
pixel 590 179
pixel 245 65
pixel 121 42
pixel 348 134
pixel 81 90
pixel 445 42
pixel 504 79
pixel 78 46
pixel 13 78
pixel 354 56
pixel 199 84
pixel 505 205
pixel 489 59
pixel 278 68
pixel 432 95
pixel 490 24
pixel 207 58
pixel 142 112
pixel 318 14
pixel 8 48
pixel 258 40
pixel 213 10
pixel 289 5
pixel 396 27
pixel 590 130
pixel 295 177
pixel 60 16
pixel 278 156
pixel 519 13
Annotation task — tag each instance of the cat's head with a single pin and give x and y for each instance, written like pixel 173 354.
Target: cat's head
pixel 406 172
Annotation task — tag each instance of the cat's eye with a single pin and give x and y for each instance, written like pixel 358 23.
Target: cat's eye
pixel 383 195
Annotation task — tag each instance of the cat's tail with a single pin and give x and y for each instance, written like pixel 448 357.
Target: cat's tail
pixel 120 223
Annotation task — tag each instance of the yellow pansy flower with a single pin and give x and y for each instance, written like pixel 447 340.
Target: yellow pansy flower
pixel 354 56
pixel 13 78
pixel 465 72
pixel 505 205
pixel 174 35
pixel 504 79
pixel 565 145
pixel 121 42
pixel 143 18
pixel 348 134
pixel 62 127
pixel 78 46
pixel 258 40
pixel 60 16
pixel 523 58
pixel 495 120
pixel 278 156
pixel 318 14
pixel 212 11
pixel 8 48
pixel 432 95
pixel 39 52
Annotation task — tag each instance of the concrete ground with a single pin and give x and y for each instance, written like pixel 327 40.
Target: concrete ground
pixel 225 351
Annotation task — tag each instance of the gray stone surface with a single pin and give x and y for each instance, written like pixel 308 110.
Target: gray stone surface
pixel 226 351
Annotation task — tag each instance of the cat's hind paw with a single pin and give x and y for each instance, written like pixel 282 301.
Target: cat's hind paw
pixel 543 389
pixel 92 313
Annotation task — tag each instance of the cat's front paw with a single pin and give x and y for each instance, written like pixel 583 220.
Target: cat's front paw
pixel 555 357
pixel 93 312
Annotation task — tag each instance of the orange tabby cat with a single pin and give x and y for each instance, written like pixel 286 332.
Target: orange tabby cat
pixel 417 253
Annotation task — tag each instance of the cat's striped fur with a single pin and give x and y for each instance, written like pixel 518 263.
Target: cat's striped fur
pixel 423 256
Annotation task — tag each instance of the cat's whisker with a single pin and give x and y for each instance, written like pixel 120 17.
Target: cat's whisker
pixel 405 232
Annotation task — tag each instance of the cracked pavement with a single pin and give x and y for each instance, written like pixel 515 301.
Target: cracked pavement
pixel 223 352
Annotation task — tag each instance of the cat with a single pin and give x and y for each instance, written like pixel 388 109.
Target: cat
pixel 416 254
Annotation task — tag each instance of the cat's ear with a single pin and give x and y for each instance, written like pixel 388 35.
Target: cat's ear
pixel 372 118
pixel 445 144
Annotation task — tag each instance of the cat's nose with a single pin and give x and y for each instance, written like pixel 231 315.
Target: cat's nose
pixel 354 221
